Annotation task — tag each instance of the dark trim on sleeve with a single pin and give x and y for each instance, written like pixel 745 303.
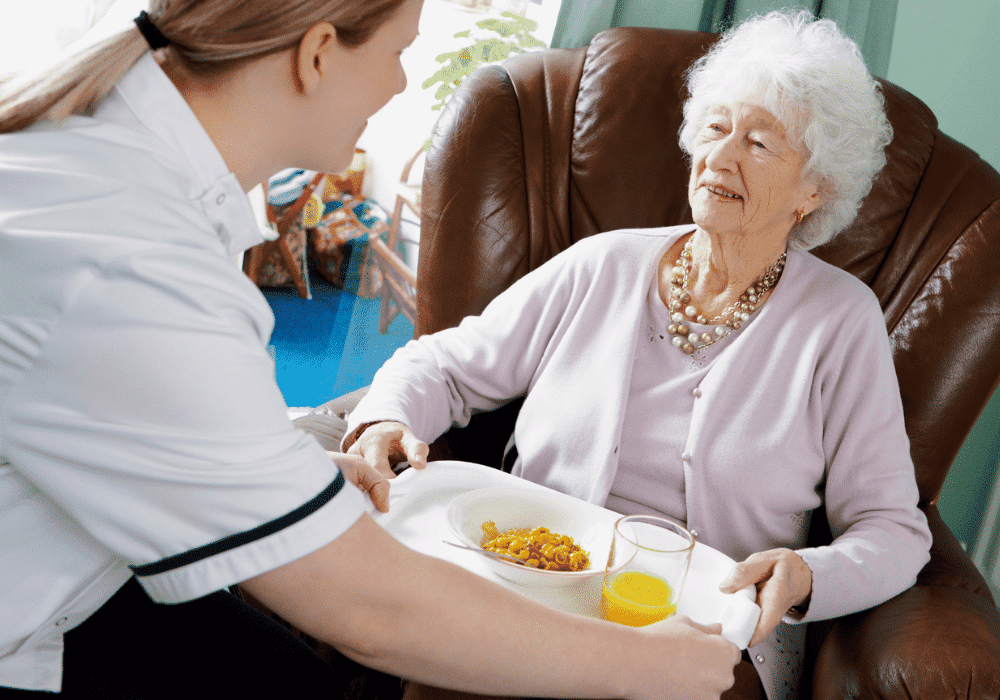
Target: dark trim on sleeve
pixel 241 538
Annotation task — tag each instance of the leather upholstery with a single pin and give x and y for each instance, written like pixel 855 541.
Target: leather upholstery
pixel 556 146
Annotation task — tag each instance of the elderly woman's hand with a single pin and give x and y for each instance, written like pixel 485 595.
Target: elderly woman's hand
pixel 388 443
pixel 783 581
pixel 360 473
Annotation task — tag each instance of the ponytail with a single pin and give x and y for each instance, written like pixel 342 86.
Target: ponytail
pixel 74 86
pixel 206 37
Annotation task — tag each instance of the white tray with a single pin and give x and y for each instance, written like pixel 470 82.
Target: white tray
pixel 418 517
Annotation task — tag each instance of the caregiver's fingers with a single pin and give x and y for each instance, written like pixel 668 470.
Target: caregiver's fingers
pixel 359 472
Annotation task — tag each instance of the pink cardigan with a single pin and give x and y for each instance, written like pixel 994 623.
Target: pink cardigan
pixel 802 409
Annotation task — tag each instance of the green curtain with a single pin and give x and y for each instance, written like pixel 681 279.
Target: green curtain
pixel 869 22
pixel 578 22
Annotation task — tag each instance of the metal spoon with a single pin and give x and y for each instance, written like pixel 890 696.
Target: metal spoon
pixel 486 552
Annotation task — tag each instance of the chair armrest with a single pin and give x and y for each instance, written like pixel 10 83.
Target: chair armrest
pixel 328 422
pixel 950 565
pixel 939 639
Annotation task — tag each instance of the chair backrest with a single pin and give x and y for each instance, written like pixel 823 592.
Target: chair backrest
pixel 564 144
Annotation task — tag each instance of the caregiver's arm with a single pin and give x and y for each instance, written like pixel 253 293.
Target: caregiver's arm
pixel 427 620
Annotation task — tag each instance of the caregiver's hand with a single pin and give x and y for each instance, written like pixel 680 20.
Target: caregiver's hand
pixel 701 660
pixel 363 475
pixel 783 581
pixel 388 443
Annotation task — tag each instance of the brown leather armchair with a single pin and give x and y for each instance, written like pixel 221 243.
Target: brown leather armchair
pixel 555 146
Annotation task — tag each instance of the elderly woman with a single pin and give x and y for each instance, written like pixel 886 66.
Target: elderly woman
pixel 716 372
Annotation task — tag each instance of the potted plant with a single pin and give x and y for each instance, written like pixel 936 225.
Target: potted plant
pixel 513 35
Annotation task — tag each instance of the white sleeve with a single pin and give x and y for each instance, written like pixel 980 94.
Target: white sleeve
pixel 152 418
pixel 881 539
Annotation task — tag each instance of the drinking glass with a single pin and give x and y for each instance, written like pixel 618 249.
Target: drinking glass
pixel 646 569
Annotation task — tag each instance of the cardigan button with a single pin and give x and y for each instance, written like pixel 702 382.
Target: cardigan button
pixel 760 658
pixel 696 393
pixel 686 458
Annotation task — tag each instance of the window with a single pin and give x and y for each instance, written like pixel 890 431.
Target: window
pixel 405 124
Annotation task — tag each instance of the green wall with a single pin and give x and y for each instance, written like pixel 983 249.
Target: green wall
pixel 947 53
pixel 868 22
pixel 677 14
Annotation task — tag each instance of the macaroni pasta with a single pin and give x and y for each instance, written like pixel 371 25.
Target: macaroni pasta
pixel 538 548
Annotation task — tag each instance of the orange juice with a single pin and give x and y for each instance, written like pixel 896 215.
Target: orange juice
pixel 636 599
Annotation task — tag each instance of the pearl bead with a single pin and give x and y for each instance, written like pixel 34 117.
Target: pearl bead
pixel 738 312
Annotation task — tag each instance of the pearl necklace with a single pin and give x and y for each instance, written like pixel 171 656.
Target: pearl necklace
pixel 731 318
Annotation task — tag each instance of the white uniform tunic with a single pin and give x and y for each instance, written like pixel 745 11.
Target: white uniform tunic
pixel 141 429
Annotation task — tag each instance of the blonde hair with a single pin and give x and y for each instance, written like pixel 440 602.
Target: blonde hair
pixel 208 37
pixel 812 77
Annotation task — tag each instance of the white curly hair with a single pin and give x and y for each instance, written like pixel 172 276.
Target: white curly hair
pixel 812 77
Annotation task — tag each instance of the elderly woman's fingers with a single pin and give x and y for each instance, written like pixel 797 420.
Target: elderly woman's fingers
pixel 783 580
pixel 750 571
pixel 376 446
pixel 771 613
pixel 388 443
pixel 415 449
pixel 359 472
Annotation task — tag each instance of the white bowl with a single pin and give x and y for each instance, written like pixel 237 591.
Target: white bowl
pixel 530 508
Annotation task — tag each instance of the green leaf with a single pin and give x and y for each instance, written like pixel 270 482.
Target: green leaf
pixel 514 34
pixel 530 42
pixel 493 50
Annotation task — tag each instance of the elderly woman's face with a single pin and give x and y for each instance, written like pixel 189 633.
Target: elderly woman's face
pixel 746 179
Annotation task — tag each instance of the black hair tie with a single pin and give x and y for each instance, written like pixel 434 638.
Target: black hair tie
pixel 154 38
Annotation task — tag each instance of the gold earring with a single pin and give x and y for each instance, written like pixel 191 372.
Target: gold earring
pixel 798 217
